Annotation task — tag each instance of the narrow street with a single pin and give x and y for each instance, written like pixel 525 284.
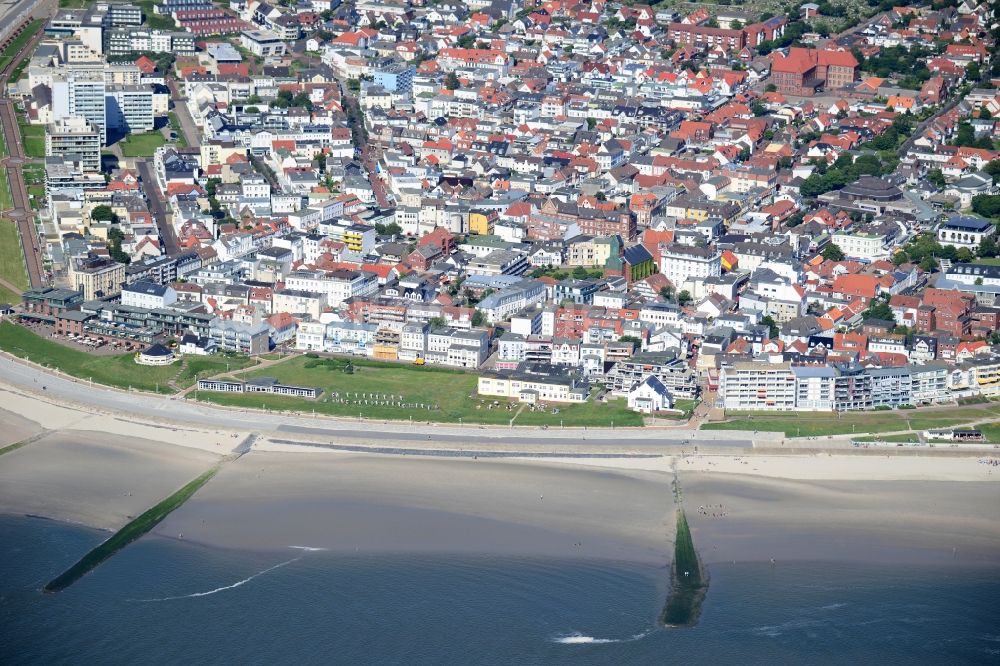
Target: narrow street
pixel 356 119
pixel 188 128
pixel 171 245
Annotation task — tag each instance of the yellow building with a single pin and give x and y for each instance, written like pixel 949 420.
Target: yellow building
pixel 481 223
pixel 97 277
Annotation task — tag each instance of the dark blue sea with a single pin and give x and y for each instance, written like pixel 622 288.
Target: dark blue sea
pixel 166 602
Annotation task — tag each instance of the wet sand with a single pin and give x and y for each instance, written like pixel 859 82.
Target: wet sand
pixel 15 428
pixel 365 503
pixel 752 518
pixel 99 480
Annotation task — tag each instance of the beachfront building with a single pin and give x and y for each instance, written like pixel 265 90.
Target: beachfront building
pixel 649 396
pixel 155 354
pixel 267 385
pixel 533 383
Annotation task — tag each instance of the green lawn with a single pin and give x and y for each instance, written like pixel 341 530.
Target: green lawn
pixel 33 137
pixel 34 174
pixel 11 256
pixel 175 126
pixel 208 366
pixel 816 424
pixel 120 370
pixel 6 200
pixel 449 390
pixel 141 145
pixel 18 43
pixel 152 20
pixel 18 72
pixel 8 296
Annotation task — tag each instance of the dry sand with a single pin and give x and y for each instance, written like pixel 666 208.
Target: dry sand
pixel 99 480
pixel 371 503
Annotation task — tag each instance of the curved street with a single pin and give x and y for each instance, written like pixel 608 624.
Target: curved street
pixel 60 388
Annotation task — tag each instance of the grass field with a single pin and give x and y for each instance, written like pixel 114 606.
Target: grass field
pixel 6 199
pixel 175 126
pixel 141 145
pixel 153 20
pixel 817 424
pixel 120 370
pixel 11 257
pixel 449 390
pixel 208 366
pixel 18 43
pixel 33 137
pixel 126 535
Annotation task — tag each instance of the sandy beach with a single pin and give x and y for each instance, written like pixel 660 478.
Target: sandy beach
pixel 369 503
pixel 842 505
pixel 99 480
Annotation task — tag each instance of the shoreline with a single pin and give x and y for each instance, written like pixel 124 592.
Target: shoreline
pixel 541 499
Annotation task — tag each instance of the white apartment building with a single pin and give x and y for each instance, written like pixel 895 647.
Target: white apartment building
pixel 680 263
pixel 130 108
pixel 81 94
pixel 861 245
pixel 758 386
pixel 148 295
pixel 337 285
pixel 337 337
pixel 74 136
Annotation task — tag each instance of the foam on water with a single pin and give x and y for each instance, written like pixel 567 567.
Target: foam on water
pixel 577 638
pixel 239 583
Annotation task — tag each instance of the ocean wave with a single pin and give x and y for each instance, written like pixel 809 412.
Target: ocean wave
pixel 239 583
pixel 832 606
pixel 577 638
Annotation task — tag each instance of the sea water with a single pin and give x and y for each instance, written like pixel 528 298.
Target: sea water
pixel 166 602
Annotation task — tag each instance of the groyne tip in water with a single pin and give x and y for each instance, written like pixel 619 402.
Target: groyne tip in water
pixel 689 580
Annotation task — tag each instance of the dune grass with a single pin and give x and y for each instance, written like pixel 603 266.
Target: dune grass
pixel 126 535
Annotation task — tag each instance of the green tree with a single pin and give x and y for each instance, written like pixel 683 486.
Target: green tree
pixel 987 205
pixel 936 178
pixel 993 167
pixel 103 213
pixel 832 252
pixel 879 310
pixel 451 81
pixel 684 297
pixel 770 88
pixel 667 293
pixel 988 248
pixel 772 326
pixel 478 318
pixel 391 229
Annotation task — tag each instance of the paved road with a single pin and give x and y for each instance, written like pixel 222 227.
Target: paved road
pixel 141 405
pixel 191 133
pixel 157 206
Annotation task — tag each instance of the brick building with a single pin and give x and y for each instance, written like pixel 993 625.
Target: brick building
pixel 804 70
